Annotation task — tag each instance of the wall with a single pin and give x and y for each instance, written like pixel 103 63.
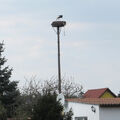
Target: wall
pixel 80 109
pixel 107 94
pixel 109 113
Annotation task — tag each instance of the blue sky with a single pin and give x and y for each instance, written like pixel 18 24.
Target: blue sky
pixel 89 48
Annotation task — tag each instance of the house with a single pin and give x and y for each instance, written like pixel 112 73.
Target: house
pixel 97 104
pixel 99 93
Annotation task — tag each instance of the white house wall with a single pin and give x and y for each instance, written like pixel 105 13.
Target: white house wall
pixel 80 109
pixel 109 113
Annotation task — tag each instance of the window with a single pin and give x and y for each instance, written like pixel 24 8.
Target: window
pixel 81 118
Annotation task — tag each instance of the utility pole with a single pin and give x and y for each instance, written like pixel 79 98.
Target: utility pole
pixel 58 24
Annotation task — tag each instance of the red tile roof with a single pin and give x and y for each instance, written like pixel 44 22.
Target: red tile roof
pixel 97 101
pixel 97 93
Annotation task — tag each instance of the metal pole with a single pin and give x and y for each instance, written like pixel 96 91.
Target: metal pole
pixel 59 68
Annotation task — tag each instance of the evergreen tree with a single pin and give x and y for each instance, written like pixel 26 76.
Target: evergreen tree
pixel 2 112
pixel 8 89
pixel 47 108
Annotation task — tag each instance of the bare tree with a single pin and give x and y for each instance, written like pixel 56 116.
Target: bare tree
pixel 69 88
pixel 34 87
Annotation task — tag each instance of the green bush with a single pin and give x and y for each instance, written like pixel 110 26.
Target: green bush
pixel 47 108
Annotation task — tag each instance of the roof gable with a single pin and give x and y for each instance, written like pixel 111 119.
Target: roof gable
pixel 98 93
